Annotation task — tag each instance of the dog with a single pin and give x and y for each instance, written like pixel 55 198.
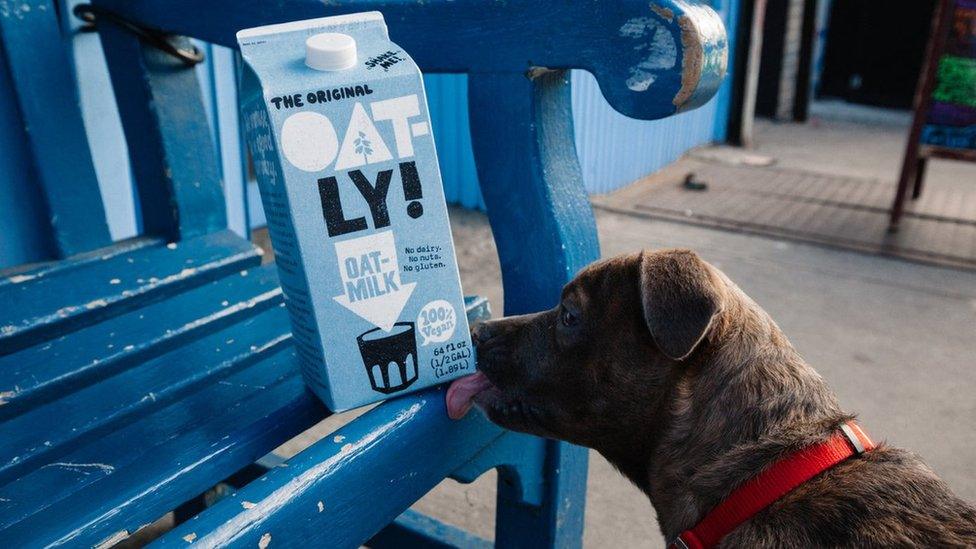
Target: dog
pixel 663 365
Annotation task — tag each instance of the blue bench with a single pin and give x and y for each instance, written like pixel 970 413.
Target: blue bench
pixel 136 375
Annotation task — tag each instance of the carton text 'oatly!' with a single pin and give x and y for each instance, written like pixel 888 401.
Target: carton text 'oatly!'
pixel 339 132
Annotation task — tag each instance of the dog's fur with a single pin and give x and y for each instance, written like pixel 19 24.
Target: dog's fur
pixel 663 365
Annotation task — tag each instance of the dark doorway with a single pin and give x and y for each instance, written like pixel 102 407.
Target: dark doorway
pixel 874 51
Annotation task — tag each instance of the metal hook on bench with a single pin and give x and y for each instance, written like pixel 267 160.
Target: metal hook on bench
pixel 156 38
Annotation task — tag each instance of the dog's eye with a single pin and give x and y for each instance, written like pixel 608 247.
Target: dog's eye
pixel 568 318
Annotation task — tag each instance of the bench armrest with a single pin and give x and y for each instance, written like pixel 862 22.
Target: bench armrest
pixel 650 59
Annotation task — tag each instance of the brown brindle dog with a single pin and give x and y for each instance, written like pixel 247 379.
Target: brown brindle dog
pixel 663 365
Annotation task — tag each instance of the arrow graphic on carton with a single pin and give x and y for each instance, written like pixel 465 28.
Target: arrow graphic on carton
pixel 371 279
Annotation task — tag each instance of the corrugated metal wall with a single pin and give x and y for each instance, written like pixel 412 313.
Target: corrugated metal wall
pixel 447 99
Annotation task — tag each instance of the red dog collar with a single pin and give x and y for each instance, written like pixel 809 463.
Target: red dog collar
pixel 772 484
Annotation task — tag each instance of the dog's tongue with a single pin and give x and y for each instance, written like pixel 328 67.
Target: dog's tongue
pixel 461 393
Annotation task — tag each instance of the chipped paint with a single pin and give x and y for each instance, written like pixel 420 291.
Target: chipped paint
pixel 265 541
pixel 6 396
pixel 243 305
pixel 189 538
pixel 171 245
pixel 666 13
pixel 244 272
pixel 115 281
pixel 657 48
pixel 65 311
pixel 691 60
pixel 247 505
pixel 17 279
pixel 536 72
pixel 84 468
pixel 303 482
pixel 705 56
pixel 338 439
pixel 321 506
pixel 96 304
pixel 112 540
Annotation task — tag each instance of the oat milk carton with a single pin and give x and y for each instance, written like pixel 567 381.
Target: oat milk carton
pixel 338 128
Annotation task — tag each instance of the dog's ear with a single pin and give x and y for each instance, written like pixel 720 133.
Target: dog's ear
pixel 679 298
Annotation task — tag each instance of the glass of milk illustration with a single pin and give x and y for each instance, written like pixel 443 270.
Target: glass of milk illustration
pixel 337 124
pixel 390 359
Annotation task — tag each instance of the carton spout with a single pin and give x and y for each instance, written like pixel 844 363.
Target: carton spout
pixel 330 51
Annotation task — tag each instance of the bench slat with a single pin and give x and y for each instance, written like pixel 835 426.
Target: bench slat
pixel 218 431
pixel 38 309
pixel 386 460
pixel 44 433
pixel 48 101
pixel 31 271
pixel 216 406
pixel 35 375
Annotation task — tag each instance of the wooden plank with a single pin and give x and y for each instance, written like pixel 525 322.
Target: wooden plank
pixel 35 375
pixel 56 428
pixel 615 42
pixel 140 471
pixel 44 306
pixel 366 475
pixel 177 453
pixel 31 271
pixel 172 156
pixel 413 530
pixel 49 105
pixel 545 233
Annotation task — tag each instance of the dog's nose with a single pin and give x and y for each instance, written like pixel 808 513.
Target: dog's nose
pixel 481 333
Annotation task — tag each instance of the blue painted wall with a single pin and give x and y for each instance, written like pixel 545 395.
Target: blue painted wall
pixel 614 150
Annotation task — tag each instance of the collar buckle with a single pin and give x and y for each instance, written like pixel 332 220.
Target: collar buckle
pixel 848 430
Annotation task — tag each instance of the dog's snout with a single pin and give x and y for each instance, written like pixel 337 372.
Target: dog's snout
pixel 481 333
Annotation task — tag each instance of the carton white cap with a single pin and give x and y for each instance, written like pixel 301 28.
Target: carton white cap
pixel 330 51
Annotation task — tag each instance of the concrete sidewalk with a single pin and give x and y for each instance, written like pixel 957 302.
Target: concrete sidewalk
pixel 896 341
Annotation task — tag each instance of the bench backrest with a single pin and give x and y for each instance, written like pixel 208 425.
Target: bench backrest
pixel 47 128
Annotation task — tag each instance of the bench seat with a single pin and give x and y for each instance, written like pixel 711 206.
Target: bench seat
pixel 170 367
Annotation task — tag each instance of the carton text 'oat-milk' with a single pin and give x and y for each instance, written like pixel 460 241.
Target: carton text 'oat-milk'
pixel 339 132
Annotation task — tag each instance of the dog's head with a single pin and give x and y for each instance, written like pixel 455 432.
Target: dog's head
pixel 606 356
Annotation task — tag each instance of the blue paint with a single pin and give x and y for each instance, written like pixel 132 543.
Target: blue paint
pixel 447 95
pixel 168 135
pixel 101 118
pixel 37 307
pixel 23 221
pixel 412 530
pixel 99 441
pixel 361 475
pixel 57 144
pixel 518 43
pixel 545 232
